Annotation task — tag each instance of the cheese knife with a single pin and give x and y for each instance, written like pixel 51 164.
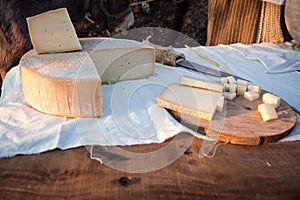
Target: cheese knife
pixel 170 57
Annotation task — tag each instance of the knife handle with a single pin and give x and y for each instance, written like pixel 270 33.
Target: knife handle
pixel 165 55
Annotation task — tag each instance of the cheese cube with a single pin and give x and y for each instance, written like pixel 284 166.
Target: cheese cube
pixel 267 112
pixel 230 87
pixel 241 89
pixel 192 101
pixel 231 80
pixel 224 80
pixel 52 32
pixel 229 95
pixel 251 96
pixel 241 82
pixel 254 88
pixel 204 84
pixel 271 99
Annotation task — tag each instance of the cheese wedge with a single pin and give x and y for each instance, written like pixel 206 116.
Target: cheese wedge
pixel 131 61
pixel 204 84
pixel 64 84
pixel 196 102
pixel 271 99
pixel 52 32
pixel 267 112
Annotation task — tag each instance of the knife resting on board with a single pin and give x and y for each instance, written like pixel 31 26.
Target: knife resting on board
pixel 168 56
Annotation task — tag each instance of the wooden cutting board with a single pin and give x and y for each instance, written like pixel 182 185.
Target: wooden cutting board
pixel 241 123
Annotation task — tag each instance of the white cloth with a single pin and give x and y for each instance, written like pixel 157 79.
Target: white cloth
pixel 274 58
pixel 23 130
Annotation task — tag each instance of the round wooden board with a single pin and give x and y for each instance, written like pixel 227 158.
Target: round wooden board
pixel 241 123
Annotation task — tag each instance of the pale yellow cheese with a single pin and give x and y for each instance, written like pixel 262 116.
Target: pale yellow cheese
pixel 231 80
pixel 254 88
pixel 271 99
pixel 251 96
pixel 230 87
pixel 220 104
pixel 192 101
pixel 241 82
pixel 229 95
pixel 118 62
pixel 224 80
pixel 241 89
pixel 267 112
pixel 64 84
pixel 52 32
pixel 204 84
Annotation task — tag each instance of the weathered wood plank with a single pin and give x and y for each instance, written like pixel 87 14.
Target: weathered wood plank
pixel 266 171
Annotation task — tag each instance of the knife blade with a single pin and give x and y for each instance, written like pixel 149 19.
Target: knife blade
pixel 168 56
pixel 204 69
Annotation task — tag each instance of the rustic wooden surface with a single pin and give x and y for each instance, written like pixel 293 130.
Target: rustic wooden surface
pixel 241 123
pixel 268 171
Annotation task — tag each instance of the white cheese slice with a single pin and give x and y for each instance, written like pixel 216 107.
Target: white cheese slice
pixel 267 112
pixel 64 84
pixel 52 32
pixel 134 61
pixel 204 84
pixel 254 88
pixel 192 101
pixel 271 99
pixel 229 95
pixel 251 96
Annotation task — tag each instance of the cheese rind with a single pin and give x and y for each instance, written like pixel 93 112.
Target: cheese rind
pixel 251 96
pixel 204 84
pixel 64 84
pixel 196 102
pixel 52 32
pixel 267 112
pixel 134 61
pixel 271 99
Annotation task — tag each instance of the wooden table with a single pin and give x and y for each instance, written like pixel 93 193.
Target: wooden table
pixel 268 171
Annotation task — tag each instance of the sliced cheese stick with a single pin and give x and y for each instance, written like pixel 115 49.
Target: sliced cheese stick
pixel 204 84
